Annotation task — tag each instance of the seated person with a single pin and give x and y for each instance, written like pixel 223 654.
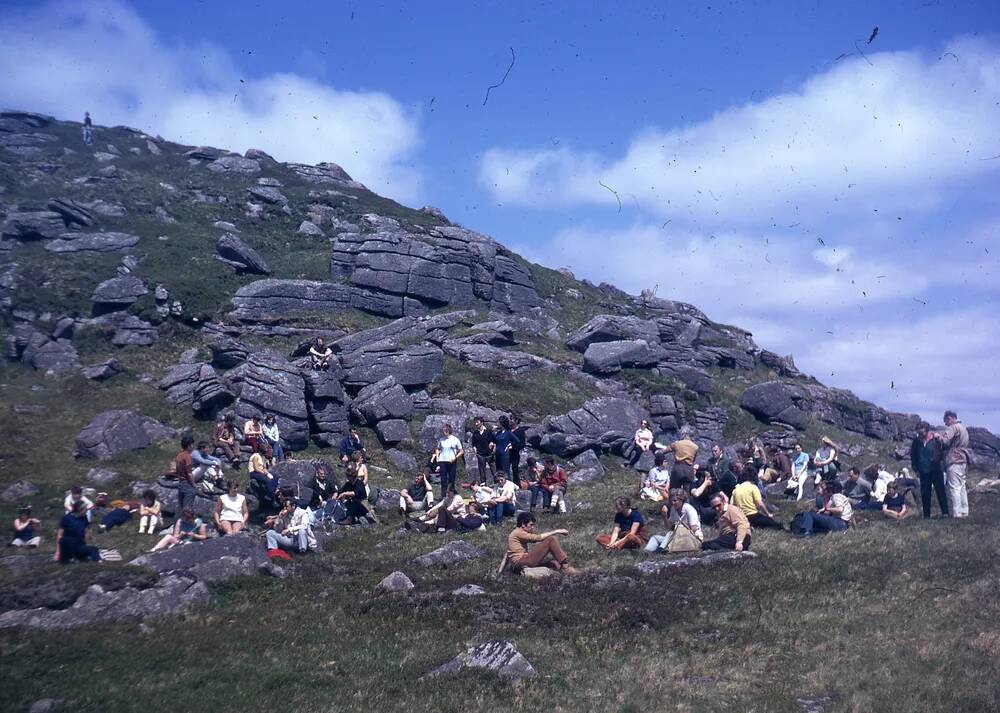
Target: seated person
pixel 324 496
pixel 679 513
pixel 231 511
pixel 119 512
pixel 320 354
pixel 260 474
pixel 550 488
pixel 464 518
pixel 76 496
pixel 527 549
pixel 732 526
pixel 187 528
pixel 453 503
pixel 418 496
pixel 825 461
pixel 629 528
pixel 207 469
pixel 800 471
pixel 352 495
pixel 641 442
pixel 894 504
pixel 747 498
pixel 273 437
pixel 24 529
pixel 253 435
pixel 779 467
pixel 701 495
pixel 834 516
pixel 860 492
pixel 290 529
pixel 225 438
pixel 656 484
pixel 149 514
pixel 532 472
pixel 504 502
pixel 349 445
pixel 73 538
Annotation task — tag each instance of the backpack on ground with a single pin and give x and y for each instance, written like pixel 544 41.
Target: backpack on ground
pixel 683 540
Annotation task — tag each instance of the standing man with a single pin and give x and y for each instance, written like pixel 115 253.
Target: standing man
pixel 449 450
pixel 185 475
pixel 88 129
pixel 926 456
pixel 515 452
pixel 505 442
pixel 482 444
pixel 955 439
pixel 685 451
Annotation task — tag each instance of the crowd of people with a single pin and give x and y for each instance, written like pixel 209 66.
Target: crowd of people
pixel 730 491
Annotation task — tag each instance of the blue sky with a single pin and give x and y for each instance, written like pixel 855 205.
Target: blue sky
pixel 840 205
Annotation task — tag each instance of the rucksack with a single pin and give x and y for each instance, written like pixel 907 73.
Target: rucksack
pixel 683 540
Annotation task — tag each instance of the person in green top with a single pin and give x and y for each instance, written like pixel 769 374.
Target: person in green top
pixel 187 529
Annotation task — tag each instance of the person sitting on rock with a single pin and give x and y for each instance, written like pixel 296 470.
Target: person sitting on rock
pixel 150 520
pixel 24 529
pixel 642 441
pixel 685 451
pixel 504 503
pixel 779 466
pixel 290 529
pixel 231 511
pixel 349 445
pixel 679 513
pixel 272 435
pixel 656 484
pixel 800 472
pixel 352 495
pixel 207 469
pixel 833 516
pixel 525 548
pixel 550 489
pixel 894 504
pixel 320 354
pixel 732 526
pixel 324 495
pixel 747 498
pixel 825 461
pixel 629 529
pixel 532 472
pixel 225 439
pixel 73 537
pixel 187 528
pixel 253 435
pixel 418 496
pixel 260 474
pixel 76 496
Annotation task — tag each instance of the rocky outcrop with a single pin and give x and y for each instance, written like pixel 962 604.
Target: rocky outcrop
pixel 602 424
pixel 777 401
pixel 328 406
pixel 453 553
pixel 394 583
pixel 613 328
pixel 604 358
pixel 271 384
pixel 113 432
pixel 235 164
pixel 233 251
pixel 198 385
pixel 91 242
pixel 484 356
pixel 412 366
pixel 73 213
pixel 33 225
pixel 198 558
pixel 268 299
pixel 32 348
pixel 102 371
pixel 385 399
pixel 118 293
pixel 129 330
pixel 500 657
pixel 661 565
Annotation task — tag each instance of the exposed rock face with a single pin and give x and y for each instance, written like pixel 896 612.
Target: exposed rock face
pixel 452 553
pixel 402 460
pixel 129 329
pixel 328 405
pixel 612 357
pixel 19 490
pixel 659 566
pixel 498 656
pixel 233 251
pixel 33 225
pixel 198 385
pixel 94 242
pixel 72 213
pixel 985 448
pixel 611 328
pixel 35 349
pixel 484 356
pixel 776 401
pixel 228 352
pixel 604 423
pixel 283 298
pixel 118 292
pixel 385 399
pixel 235 164
pixel 411 366
pixel 182 559
pixel 271 384
pixel 393 431
pixel 114 432
pixel 447 266
pixel 102 371
pixel 588 469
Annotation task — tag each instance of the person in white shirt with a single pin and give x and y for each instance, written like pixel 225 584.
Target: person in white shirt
pixel 273 437
pixel 834 516
pixel 449 451
pixel 231 511
pixel 656 484
pixel 505 500
pixel 679 513
pixel 76 495
pixel 642 441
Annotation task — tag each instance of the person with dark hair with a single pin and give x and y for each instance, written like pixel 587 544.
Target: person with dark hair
pixel 926 456
pixel 24 529
pixel 505 441
pixel 88 129
pixel 800 472
pixel 747 498
pixel 682 474
pixel 185 475
pixel 150 519
pixel 231 511
pixel 656 484
pixel 272 434
pixel 504 503
pixel 253 435
pixel 732 526
pixel 459 515
pixel 642 441
pixel 349 445
pixel 187 528
pixel 447 454
pixel 324 495
pixel 352 495
pixel 224 438
pixel 320 354
pixel 833 516
pixel 521 433
pixel 859 491
pixel 629 530
pixel 894 505
pixel 73 538
pixel 262 476
pixel 779 467
pixel 525 548
pixel 418 496
pixel 720 467
pixel 206 468
pixel 701 495
pixel 955 440
pixel 290 529
pixel 483 445
pixel 679 513
pixel 825 463
pixel 550 489
pixel 76 496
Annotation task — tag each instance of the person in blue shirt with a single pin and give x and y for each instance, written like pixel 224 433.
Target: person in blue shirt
pixel 72 537
pixel 349 445
pixel 506 442
pixel 629 529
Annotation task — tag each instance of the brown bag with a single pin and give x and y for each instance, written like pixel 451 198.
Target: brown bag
pixel 683 540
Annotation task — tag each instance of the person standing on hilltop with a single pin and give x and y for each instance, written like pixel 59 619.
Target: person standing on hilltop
pixel 926 456
pixel 955 439
pixel 447 454
pixel 505 441
pixel 88 129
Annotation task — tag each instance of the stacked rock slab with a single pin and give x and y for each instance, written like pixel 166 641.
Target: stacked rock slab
pixel 272 384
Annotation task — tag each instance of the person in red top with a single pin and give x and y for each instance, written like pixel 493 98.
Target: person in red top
pixel 185 478
pixel 550 488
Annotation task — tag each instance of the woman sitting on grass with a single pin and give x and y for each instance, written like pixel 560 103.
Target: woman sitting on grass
pixel 629 528
pixel 24 529
pixel 149 514
pixel 679 513
pixel 72 537
pixel 894 504
pixel 231 512
pixel 834 516
pixel 187 529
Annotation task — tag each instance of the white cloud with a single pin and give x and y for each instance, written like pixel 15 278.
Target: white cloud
pixel 64 58
pixel 891 134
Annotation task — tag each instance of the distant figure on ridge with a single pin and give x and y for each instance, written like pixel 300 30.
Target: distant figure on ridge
pixel 88 129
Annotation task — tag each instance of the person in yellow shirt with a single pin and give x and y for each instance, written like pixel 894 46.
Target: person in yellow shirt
pixel 747 497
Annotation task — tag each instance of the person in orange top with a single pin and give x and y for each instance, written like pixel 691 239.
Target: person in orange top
pixel 520 555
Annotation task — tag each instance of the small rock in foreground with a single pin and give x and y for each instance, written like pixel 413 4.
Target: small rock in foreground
pixel 498 656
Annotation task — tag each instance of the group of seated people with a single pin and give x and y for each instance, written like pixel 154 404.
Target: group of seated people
pixel 260 436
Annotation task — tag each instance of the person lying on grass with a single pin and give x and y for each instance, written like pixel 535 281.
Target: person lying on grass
pixel 463 517
pixel 894 504
pixel 679 513
pixel 628 531
pixel 525 548
pixel 187 529
pixel 732 525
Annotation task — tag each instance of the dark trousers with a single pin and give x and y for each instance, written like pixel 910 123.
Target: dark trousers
pixel 759 519
pixel 185 498
pixel 448 473
pixel 498 511
pixel 485 466
pixel 515 462
pixel 817 522
pixel 707 515
pixel 69 551
pixel 933 479
pixel 725 541
pixel 682 476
